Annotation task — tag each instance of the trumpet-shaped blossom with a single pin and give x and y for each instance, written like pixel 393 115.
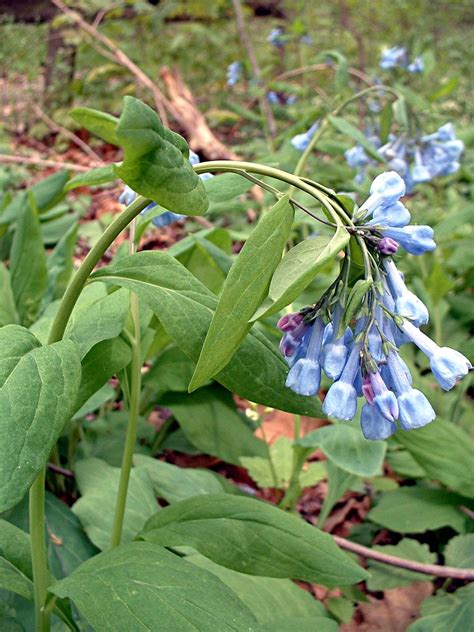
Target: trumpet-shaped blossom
pixel 341 399
pixel 374 425
pixel 305 375
pixel 335 350
pixel 384 399
pixel 386 189
pixel 393 57
pixel 395 214
pixel 406 304
pixel 416 66
pixel 301 141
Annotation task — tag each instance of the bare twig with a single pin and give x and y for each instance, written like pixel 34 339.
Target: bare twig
pixel 392 560
pixel 60 470
pixel 103 12
pixel 354 72
pixel 40 162
pixel 120 56
pixel 55 127
pixel 247 44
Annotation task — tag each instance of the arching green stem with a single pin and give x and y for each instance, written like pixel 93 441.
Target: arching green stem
pixel 36 509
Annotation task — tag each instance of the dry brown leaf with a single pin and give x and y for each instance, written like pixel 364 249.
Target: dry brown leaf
pixel 394 613
pixel 280 424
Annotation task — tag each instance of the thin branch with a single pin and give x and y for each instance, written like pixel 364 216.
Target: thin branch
pixel 120 56
pixel 410 565
pixel 40 162
pixel 60 470
pixel 247 44
pixel 354 72
pixel 55 127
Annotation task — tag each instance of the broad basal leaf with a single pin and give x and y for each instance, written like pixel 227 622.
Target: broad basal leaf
pixel 38 386
pixel 250 536
pixel 28 273
pixel 141 586
pixel 384 576
pixel 416 510
pixel 185 306
pixel 15 560
pixel 244 289
pixel 298 268
pixel 445 452
pixel 156 162
pixel 98 483
pixel 348 449
pixel 447 612
pixel 209 420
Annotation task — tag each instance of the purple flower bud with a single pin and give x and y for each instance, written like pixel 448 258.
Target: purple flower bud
pixel 290 321
pixel 367 390
pixel 387 246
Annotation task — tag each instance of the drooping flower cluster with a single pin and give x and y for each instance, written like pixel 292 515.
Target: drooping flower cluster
pixel 301 141
pixel 166 218
pixel 397 57
pixel 361 355
pixel 234 72
pixel 416 160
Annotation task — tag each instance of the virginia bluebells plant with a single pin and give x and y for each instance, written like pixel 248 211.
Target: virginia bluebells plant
pixel 360 352
pixel 416 160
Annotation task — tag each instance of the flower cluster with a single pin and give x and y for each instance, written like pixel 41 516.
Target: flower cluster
pixel 415 160
pixel 301 141
pixel 276 98
pixel 361 355
pixel 397 57
pixel 166 218
pixel 234 72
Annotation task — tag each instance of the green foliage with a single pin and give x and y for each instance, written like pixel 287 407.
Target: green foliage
pixel 250 536
pixel 385 577
pixel 245 287
pixel 37 387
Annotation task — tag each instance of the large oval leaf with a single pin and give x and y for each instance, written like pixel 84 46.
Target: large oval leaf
pixel 253 537
pixel 185 306
pixel 298 268
pixel 244 289
pixel 156 162
pixel 38 386
pixel 142 586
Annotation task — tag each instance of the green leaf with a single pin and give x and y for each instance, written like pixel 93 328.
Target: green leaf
pixel 269 599
pixel 15 560
pixel 416 510
pixel 302 624
pixel 8 314
pixel 101 318
pixel 60 265
pixel 98 484
pixel 354 301
pixel 49 191
pixel 175 483
pixel 386 122
pixel 400 112
pixel 135 586
pixel 225 187
pixel 298 268
pixel 244 289
pixel 28 273
pixel 341 608
pixel 341 76
pixel 346 446
pixel 37 386
pixel 460 551
pixel 447 612
pixel 184 306
pixel 350 130
pixel 403 463
pixel 105 359
pixel 155 162
pixel 384 576
pixel 250 536
pixel 209 420
pixel 339 481
pixel 68 545
pixel 444 90
pixel 99 123
pixel 92 178
pixel 445 452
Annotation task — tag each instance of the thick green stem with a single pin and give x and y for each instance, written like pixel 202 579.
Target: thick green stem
pixel 36 518
pixel 38 552
pixel 133 412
